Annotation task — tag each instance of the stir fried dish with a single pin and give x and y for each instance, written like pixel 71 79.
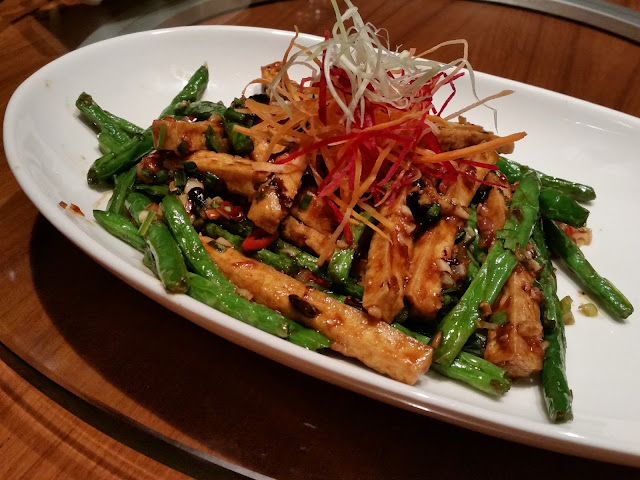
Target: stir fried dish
pixel 350 210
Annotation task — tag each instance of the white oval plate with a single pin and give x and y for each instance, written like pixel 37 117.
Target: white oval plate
pixel 50 149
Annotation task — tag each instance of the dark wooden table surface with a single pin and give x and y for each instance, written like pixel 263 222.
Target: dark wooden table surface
pixel 72 321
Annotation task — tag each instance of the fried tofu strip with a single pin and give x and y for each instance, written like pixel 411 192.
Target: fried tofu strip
pixel 182 136
pixel 304 236
pixel 453 136
pixel 462 191
pixel 492 214
pixel 261 147
pixel 388 263
pixel 424 289
pixel 518 346
pixel 275 197
pixel 317 215
pixel 353 332
pixel 236 172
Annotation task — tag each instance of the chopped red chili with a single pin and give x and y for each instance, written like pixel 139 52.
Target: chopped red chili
pixel 230 211
pixel 258 239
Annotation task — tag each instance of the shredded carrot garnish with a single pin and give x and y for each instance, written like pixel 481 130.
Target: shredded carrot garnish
pixel 365 133
pixel 503 93
pixel 334 237
pixel 427 157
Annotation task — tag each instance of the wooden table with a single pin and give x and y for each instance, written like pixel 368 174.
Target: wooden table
pixel 63 316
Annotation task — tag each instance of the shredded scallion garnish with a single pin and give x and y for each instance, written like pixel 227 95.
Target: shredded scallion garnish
pixel 376 72
pixel 149 217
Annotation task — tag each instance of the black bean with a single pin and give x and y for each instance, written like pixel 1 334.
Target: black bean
pixel 196 195
pixel 481 194
pixel 426 215
pixel 260 98
pixel 305 308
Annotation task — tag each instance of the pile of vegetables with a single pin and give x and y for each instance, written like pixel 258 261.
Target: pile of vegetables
pixel 346 212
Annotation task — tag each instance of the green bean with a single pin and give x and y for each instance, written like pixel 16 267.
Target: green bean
pixel 277 261
pixel 557 206
pixel 120 227
pixel 307 337
pixel 123 184
pixel 136 204
pixel 158 191
pixel 109 129
pixel 476 372
pixel 305 260
pixel 280 260
pixel 170 265
pixel 219 293
pixel 188 239
pixel 418 336
pixel 202 109
pixel 555 387
pixel 116 161
pixel 228 302
pixel 460 322
pixel 302 258
pixel 514 171
pixel 476 343
pixel 149 262
pixel 350 287
pixel 242 228
pixel 124 125
pixel 107 143
pixel 523 213
pixel 242 144
pixel 214 231
pixel 232 115
pixel 467 368
pixel 141 144
pixel 602 289
pixel 340 264
pixel 341 260
pixel 191 92
pixel 546 282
